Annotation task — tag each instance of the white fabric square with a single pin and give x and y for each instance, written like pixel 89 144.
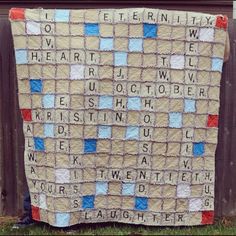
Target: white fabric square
pixel 177 61
pixel 183 190
pixel 206 34
pixel 33 27
pixel 77 72
pixel 195 204
pixel 62 176
pixel 42 201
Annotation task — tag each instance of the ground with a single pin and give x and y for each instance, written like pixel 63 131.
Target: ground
pixel 221 227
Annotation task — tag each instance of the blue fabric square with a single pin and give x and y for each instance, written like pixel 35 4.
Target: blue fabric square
pixel 134 103
pixel 49 130
pixel 91 29
pixel 62 219
pixel 39 144
pixel 106 44
pixel 104 131
pixel 21 56
pixel 88 202
pixel 141 203
pixel 120 58
pixel 105 102
pixel 149 30
pixel 198 149
pixel 101 188
pixel 128 188
pixel 48 101
pixel 62 15
pixel 189 105
pixel 132 132
pixel 135 45
pixel 175 120
pixel 35 86
pixel 217 64
pixel 90 145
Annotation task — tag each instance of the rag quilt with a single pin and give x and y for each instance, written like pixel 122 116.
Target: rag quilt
pixel 120 111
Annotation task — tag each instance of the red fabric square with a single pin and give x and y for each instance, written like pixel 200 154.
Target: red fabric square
pixel 212 121
pixel 17 14
pixel 35 213
pixel 26 114
pixel 207 217
pixel 222 22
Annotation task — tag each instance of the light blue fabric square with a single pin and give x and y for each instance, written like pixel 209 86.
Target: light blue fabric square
pixel 189 105
pixel 104 131
pixel 135 45
pixel 217 64
pixel 132 132
pixel 49 130
pixel 105 102
pixel 101 188
pixel 106 44
pixel 175 120
pixel 128 188
pixel 134 103
pixel 62 219
pixel 91 29
pixel 120 58
pixel 62 15
pixel 21 56
pixel 48 101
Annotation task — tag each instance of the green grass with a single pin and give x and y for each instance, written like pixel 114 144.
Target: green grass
pixel 219 228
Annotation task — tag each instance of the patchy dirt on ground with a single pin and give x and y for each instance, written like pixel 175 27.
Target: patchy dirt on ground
pixel 8 219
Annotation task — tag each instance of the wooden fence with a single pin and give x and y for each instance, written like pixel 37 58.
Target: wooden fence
pixel 12 178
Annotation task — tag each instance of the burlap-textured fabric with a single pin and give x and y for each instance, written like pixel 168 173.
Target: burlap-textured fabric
pixel 120 110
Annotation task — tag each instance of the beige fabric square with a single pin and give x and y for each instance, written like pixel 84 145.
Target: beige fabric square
pixel 135 73
pixel 76 131
pixel 121 30
pixel 195 218
pixel 90 131
pixel 49 159
pixel 77 29
pixel 135 59
pixel 48 71
pixel 130 161
pixel 77 42
pixel 106 58
pixel 62 28
pixel 18 28
pixel 100 202
pixel 164 31
pixel 201 106
pixel 63 42
pixel 20 42
pixel 168 205
pixel 162 104
pixel 196 190
pixel 133 117
pixel 89 174
pixel 209 163
pixel 211 135
pixel 178 47
pixel 77 102
pixel 188 120
pixel 164 47
pixel 50 173
pixel 102 160
pixel 214 93
pixel 76 146
pixel 155 190
pixel 23 86
pixel 24 101
pixel 127 202
pixel 22 71
pixel 160 134
pixel 213 107
pixel 116 161
pixel 92 43
pixel 49 86
pixel 178 33
pixel 177 76
pixel 218 50
pixel 162 120
pixel 117 147
pixel 91 16
pixel 176 105
pixel 103 146
pixel 220 36
pixel 197 164
pixel 205 49
pixel 181 205
pixel 203 77
pixel 38 130
pixel 118 132
pixel 173 149
pixel 106 72
pixel 61 204
pixel 149 60
pixel 106 87
pixel 114 201
pixel 62 161
pixel 174 135
pixel 149 45
pixel 131 147
pixel 121 44
pixel 155 204
pixel 62 86
pixel 88 188
pixel 159 148
pixel 35 71
pixel 106 30
pixel 172 163
pixel 76 16
pixel 149 74
pixel 204 63
pixel 199 135
pixel 77 87
pixel 201 121
pixel 88 160
pixel 169 191
pixel 135 30
pixel 114 188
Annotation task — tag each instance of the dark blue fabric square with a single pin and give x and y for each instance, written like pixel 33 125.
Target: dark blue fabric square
pixel 149 30
pixel 35 86
pixel 90 145
pixel 88 201
pixel 198 149
pixel 91 29
pixel 141 203
pixel 39 144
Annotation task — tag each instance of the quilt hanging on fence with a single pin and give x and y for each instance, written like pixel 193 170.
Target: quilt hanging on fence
pixel 120 111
